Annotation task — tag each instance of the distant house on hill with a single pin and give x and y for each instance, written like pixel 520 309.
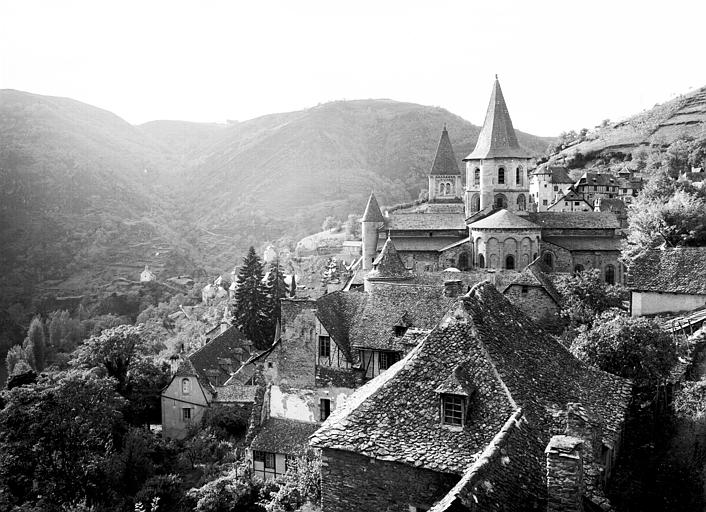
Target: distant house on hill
pixel 488 412
pixel 668 281
pixel 147 275
pixel 571 201
pixel 199 383
pixel 547 182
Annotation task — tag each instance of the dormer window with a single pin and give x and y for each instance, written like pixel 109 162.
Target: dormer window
pixel 453 410
pixel 185 386
pixel 400 330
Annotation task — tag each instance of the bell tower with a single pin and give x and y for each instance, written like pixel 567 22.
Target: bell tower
pixel 444 176
pixel 496 170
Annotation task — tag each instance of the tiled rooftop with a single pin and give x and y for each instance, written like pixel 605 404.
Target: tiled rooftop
pixel 677 270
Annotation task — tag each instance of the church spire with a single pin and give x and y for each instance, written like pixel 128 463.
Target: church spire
pixel 497 139
pixel 372 211
pixel 445 162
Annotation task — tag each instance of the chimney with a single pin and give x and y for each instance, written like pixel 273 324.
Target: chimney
pixel 453 287
pixel 564 474
pixel 583 423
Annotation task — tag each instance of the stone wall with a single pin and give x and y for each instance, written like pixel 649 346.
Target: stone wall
pixel 565 486
pixel 354 482
pixel 294 359
pixel 536 303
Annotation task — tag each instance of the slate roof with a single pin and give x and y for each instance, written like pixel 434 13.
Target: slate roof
pixel 512 363
pixel 602 179
pixel 536 274
pixel 372 211
pixel 337 311
pixel 221 356
pixel 677 270
pixel 585 243
pixel 235 392
pixel 408 243
pixel 503 219
pixel 575 220
pixel 559 174
pixel 428 217
pixel 388 264
pixel 445 160
pixel 280 435
pixel 497 138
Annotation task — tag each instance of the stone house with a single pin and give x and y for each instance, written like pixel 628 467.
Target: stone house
pixel 570 201
pixel 668 281
pixel 203 380
pixel 487 412
pixel 533 292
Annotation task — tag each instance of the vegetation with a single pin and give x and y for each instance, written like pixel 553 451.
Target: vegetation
pixel 586 296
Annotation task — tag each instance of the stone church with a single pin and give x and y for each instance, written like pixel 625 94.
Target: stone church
pixel 492 221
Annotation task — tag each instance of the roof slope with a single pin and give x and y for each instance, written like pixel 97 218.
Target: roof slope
pixel 223 355
pixel 372 211
pixel 503 219
pixel 512 364
pixel 428 216
pixel 388 264
pixel 497 137
pixel 575 220
pixel 678 270
pixel 445 160
pixel 283 436
pixel 558 173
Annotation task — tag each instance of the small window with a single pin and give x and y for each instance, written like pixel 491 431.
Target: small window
pixel 324 408
pixel 549 259
pixel 387 359
pixel 324 346
pixel 501 176
pixel 578 268
pixel 510 262
pixel 610 274
pixel 258 456
pixel 518 177
pixel 476 177
pixel 290 463
pixel 186 414
pixel 185 386
pixel 269 460
pixel 481 261
pixel 453 410
pixel 269 364
pixel 525 289
pixel 556 187
pixel 544 202
pixel 400 330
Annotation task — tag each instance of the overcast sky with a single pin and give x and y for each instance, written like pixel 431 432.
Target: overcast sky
pixel 562 65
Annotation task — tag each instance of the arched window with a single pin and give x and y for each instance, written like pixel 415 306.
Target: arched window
pixel 578 268
pixel 441 188
pixel 475 203
pixel 549 259
pixel 610 274
pixel 521 202
pixel 518 177
pixel 476 177
pixel 481 261
pixel 500 201
pixel 510 262
pixel 501 176
pixel 463 261
pixel 185 386
pixel 448 189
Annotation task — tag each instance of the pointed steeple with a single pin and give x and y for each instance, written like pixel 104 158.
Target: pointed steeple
pixel 372 211
pixel 497 139
pixel 445 162
pixel 389 264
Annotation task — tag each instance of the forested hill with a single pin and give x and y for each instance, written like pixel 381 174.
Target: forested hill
pixel 282 174
pixel 87 197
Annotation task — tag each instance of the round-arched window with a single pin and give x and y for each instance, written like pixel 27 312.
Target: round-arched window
pixel 548 259
pixel 476 177
pixel 578 268
pixel 501 176
pixel 610 274
pixel 521 202
pixel 518 177
pixel 510 262
pixel 481 261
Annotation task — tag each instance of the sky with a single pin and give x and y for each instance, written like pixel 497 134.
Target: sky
pixel 562 65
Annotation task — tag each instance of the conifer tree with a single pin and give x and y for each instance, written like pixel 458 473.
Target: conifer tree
pixel 36 344
pixel 250 313
pixel 276 290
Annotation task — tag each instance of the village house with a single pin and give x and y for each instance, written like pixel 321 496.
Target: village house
pixel 534 293
pixel 668 281
pixel 199 383
pixel 570 201
pixel 147 275
pixel 547 183
pixel 487 412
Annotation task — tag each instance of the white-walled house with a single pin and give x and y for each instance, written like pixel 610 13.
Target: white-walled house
pixel 668 281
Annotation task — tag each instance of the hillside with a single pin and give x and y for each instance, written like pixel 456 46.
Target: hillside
pixel 282 174
pixel 84 196
pixel 184 140
pixel 660 125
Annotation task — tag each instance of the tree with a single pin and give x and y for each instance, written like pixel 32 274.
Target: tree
pixel 352 226
pixel 585 296
pixel 116 351
pixel 276 289
pixel 690 401
pixel 14 356
pixel 60 432
pixel 36 343
pixel 250 313
pixel 633 347
pixel 233 490
pixel 331 224
pixel 65 333
pixel 300 485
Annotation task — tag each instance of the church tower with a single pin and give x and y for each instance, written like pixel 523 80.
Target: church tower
pixel 370 223
pixel 444 176
pixel 496 170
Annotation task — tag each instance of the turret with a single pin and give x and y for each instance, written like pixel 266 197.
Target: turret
pixel 444 176
pixel 496 170
pixel 371 222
